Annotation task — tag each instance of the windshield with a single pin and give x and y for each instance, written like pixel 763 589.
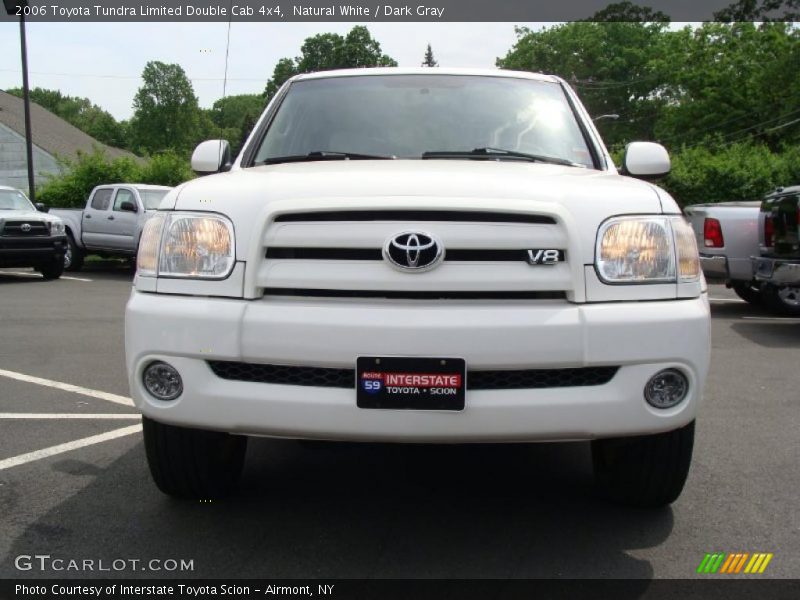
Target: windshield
pixel 14 200
pixel 406 116
pixel 152 198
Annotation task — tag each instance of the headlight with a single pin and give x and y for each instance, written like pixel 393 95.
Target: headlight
pixel 188 245
pixel 636 250
pixel 57 228
pixel 647 250
pixel 149 244
pixel 686 246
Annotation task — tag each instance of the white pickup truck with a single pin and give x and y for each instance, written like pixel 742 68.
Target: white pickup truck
pixel 111 223
pixel 420 255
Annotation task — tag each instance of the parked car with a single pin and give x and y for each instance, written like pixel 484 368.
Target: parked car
pixel 727 235
pixel 28 236
pixel 420 255
pixel 777 266
pixel 112 222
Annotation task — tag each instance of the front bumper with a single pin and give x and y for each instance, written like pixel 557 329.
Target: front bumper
pixel 777 271
pixel 639 337
pixel 19 251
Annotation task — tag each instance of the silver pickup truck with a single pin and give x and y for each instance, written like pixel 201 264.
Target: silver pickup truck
pixel 727 237
pixel 112 222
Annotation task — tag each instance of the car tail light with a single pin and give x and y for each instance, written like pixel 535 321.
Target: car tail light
pixel 712 232
pixel 769 231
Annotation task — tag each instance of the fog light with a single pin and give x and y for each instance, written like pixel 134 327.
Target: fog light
pixel 162 380
pixel 666 388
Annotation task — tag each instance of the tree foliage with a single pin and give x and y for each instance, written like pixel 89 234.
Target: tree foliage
pixel 720 96
pixel 79 177
pixel 428 60
pixel 327 51
pixel 166 114
pixel 740 171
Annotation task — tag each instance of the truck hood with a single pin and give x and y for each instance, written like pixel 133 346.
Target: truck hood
pixel 585 196
pixel 26 215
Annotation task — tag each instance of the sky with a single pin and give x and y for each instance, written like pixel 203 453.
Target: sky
pixel 103 61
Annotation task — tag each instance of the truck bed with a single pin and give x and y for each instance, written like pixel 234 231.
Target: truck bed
pixel 739 225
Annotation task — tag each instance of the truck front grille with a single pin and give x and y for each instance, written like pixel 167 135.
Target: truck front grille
pixel 25 229
pixel 476 379
pixel 486 255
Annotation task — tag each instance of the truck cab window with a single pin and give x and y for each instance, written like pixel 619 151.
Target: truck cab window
pixel 123 196
pixel 101 200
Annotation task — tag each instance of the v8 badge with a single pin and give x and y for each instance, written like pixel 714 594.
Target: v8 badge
pixel 544 257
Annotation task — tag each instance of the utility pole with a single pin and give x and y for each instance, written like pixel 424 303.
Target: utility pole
pixel 12 7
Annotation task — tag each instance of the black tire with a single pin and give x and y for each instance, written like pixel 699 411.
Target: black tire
pixel 782 300
pixel 52 270
pixel 749 292
pixel 193 463
pixel 73 257
pixel 646 471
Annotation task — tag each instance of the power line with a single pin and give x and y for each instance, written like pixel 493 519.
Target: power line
pixel 109 76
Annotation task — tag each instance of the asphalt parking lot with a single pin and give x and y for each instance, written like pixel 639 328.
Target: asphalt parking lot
pixel 74 483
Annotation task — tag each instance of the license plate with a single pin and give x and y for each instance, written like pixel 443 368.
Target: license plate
pixel 411 383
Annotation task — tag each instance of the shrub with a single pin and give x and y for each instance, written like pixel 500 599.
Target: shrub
pixel 71 188
pixel 742 171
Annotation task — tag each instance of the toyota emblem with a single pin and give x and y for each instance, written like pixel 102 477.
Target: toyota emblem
pixel 25 227
pixel 413 251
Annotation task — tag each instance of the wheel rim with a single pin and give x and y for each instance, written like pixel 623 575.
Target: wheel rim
pixel 68 256
pixel 790 296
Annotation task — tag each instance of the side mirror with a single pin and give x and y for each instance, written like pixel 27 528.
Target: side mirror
pixel 42 207
pixel 128 206
pixel 646 160
pixel 211 156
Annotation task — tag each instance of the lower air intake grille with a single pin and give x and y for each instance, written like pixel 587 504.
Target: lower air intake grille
pixel 476 380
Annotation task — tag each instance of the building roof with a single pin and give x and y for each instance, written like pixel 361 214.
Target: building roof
pixel 51 133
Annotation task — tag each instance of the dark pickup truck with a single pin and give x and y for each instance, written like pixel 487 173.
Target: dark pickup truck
pixel 28 236
pixel 778 266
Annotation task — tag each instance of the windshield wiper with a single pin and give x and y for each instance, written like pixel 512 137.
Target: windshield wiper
pixel 323 155
pixel 499 153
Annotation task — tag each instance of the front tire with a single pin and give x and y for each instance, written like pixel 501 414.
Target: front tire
pixel 193 463
pixel 646 471
pixel 52 270
pixel 783 300
pixel 73 257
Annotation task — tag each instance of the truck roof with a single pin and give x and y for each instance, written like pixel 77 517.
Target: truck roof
pixel 427 71
pixel 138 186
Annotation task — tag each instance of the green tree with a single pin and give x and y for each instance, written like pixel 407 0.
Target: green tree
pixel 284 70
pixel 166 114
pixel 429 60
pixel 327 51
pixel 726 82
pixel 767 10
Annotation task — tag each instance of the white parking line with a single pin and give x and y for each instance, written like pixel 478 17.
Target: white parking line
pixel 23 274
pixel 783 319
pixel 15 461
pixel 67 416
pixel 67 387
